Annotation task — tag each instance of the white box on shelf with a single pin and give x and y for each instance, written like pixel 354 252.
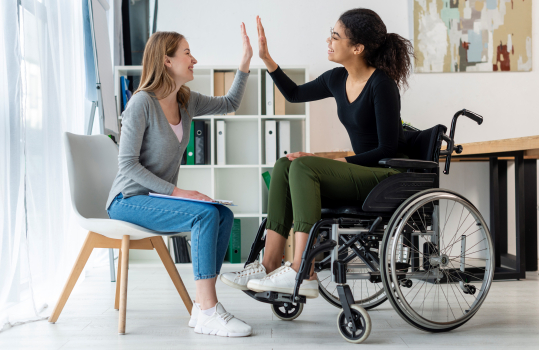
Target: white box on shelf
pixel 269 94
pixel 221 144
pixel 284 138
pixel 271 142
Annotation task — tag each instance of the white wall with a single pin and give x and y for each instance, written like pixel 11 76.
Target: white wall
pixel 296 32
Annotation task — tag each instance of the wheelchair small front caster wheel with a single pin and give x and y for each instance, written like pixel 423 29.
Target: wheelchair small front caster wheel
pixel 469 289
pixel 406 283
pixel 287 311
pixel 362 322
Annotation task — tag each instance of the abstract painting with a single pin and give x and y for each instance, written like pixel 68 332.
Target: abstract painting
pixel 472 35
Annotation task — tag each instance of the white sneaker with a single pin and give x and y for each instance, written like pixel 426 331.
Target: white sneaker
pixel 239 279
pixel 283 280
pixel 194 315
pixel 222 323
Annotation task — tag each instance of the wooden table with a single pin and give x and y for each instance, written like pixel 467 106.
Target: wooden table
pixel 525 152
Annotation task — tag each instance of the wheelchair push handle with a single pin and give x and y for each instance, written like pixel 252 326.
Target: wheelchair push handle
pixel 451 139
pixel 473 116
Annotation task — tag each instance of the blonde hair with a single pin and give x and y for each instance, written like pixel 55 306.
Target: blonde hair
pixel 154 73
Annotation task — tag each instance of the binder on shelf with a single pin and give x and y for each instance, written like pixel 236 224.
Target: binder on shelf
pixel 200 142
pixel 191 146
pixel 233 254
pixel 221 145
pixel 222 81
pixel 184 157
pixel 229 79
pixel 124 84
pixel 171 248
pixel 284 138
pixel 176 250
pixel 207 143
pixel 181 250
pixel 219 84
pixel 186 257
pixel 271 142
pixel 269 94
pixel 279 102
pixel 188 241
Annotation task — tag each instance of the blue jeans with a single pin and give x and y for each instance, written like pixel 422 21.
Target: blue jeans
pixel 210 226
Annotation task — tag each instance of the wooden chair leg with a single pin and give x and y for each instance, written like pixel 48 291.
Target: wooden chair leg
pixel 123 284
pixel 84 254
pixel 118 279
pixel 162 250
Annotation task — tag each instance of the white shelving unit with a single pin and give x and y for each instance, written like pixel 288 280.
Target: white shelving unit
pixel 240 180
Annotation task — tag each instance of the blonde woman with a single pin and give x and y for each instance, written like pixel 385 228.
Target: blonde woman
pixel 155 133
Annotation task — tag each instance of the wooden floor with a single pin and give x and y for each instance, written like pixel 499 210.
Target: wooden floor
pixel 156 319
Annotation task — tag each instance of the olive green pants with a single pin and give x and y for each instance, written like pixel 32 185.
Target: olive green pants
pixel 299 188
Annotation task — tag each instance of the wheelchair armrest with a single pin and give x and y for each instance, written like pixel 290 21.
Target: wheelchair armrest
pixel 408 163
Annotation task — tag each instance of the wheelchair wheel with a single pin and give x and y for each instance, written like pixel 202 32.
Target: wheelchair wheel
pixel 437 260
pixel 367 294
pixel 362 321
pixel 287 311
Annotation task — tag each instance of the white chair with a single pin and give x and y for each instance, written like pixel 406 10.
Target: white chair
pixel 92 164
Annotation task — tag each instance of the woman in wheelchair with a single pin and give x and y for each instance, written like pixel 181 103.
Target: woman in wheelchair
pixel 366 88
pixel 154 124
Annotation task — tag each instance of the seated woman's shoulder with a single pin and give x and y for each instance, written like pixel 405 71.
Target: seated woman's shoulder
pixel 141 99
pixel 142 96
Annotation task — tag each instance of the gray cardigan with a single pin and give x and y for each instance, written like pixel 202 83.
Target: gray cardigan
pixel 150 152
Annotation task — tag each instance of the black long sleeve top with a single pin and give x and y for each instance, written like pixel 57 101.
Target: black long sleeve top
pixel 372 121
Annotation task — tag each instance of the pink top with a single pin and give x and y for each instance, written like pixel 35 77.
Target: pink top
pixel 178 130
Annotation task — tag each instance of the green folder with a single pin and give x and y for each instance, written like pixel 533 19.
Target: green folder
pixel 233 254
pixel 191 146
pixel 267 178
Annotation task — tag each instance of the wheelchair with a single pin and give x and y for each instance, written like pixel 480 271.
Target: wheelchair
pixel 425 249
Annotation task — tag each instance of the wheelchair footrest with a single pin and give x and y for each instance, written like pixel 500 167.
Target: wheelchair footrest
pixel 279 297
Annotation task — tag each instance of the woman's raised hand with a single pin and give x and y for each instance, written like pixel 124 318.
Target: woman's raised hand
pixel 263 47
pixel 178 192
pixel 247 50
pixel 262 42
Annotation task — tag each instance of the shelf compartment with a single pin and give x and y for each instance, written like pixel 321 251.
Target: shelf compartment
pixel 297 137
pixel 249 102
pixel 241 142
pixel 239 186
pixel 297 75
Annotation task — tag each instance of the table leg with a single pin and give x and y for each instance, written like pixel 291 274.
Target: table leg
pixel 520 214
pixel 530 185
pixel 502 185
pixel 495 208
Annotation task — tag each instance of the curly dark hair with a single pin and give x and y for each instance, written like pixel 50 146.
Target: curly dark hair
pixel 389 52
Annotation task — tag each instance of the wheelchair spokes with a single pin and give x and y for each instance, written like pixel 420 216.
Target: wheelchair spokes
pixel 446 247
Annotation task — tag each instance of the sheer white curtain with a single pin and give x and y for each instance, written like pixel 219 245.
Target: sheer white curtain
pixel 42 92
